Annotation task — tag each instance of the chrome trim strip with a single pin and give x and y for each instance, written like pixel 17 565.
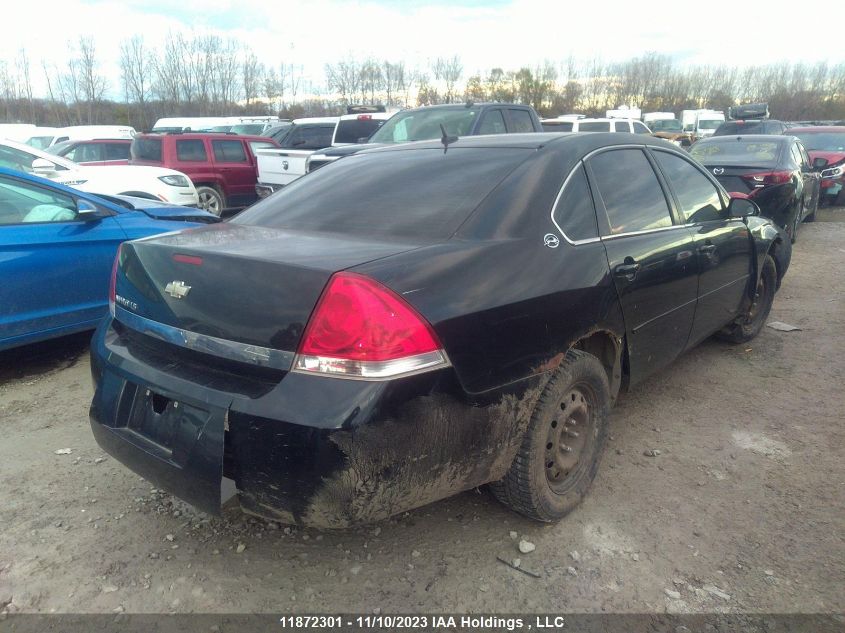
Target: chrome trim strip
pixel 232 350
pixel 723 286
pixel 644 231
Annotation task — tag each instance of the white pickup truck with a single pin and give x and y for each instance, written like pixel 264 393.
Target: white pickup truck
pixel 280 166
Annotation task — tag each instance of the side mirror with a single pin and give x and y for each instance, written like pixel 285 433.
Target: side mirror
pixel 86 210
pixel 42 166
pixel 819 163
pixel 741 207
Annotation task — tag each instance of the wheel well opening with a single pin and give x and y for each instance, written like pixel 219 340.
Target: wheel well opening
pixel 607 348
pixel 776 245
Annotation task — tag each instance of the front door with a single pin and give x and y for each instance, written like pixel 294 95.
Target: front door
pixel 722 244
pixel 55 267
pixel 651 257
pixel 231 160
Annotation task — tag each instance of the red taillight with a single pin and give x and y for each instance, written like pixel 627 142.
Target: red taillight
pixel 768 178
pixel 362 329
pixel 113 282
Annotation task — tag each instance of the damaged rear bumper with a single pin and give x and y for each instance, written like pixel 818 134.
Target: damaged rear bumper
pixel 300 449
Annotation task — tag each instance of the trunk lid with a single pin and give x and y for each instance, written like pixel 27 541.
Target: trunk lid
pixel 731 176
pixel 248 284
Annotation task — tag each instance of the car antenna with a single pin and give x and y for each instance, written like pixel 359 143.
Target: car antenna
pixel 446 139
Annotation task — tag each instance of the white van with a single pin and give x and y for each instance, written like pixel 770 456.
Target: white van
pixel 45 137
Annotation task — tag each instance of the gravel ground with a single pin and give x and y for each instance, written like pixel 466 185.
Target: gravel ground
pixel 741 510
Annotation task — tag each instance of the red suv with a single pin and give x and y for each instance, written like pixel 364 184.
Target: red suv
pixel 221 166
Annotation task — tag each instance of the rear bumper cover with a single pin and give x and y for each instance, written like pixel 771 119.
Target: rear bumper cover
pixel 309 450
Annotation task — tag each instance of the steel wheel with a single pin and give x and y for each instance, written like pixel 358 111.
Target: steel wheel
pixel 562 446
pixel 568 437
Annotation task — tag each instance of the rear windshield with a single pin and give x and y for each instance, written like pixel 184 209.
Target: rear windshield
pixel 737 152
pixel 353 130
pixel 709 124
pixel 146 149
pixel 594 126
pixel 420 194
pixel 822 141
pixel 565 126
pixel 665 125
pixel 247 128
pixel 745 127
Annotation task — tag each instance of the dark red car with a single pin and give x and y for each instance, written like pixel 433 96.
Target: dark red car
pixel 826 146
pixel 221 166
pixel 101 151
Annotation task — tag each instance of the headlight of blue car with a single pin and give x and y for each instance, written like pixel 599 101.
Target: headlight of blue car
pixel 174 181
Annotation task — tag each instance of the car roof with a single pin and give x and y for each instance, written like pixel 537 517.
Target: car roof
pixel 316 119
pixel 214 135
pixel 812 129
pixel 537 140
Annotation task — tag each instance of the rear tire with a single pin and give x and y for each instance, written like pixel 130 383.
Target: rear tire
pixel 562 447
pixel 211 200
pixel 748 325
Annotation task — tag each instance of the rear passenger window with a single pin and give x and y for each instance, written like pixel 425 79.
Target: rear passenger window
pixel 228 151
pixel 630 190
pixel 191 150
pixel 699 199
pixel 574 213
pixel 310 137
pixel 492 123
pixel 117 151
pixel 621 126
pixel 521 121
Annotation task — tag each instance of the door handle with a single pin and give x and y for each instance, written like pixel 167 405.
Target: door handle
pixel 706 248
pixel 628 270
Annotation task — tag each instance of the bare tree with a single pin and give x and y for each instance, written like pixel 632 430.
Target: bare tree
pixel 449 71
pixel 93 84
pixel 136 65
pixel 251 73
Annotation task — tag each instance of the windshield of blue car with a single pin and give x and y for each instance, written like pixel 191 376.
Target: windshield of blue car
pixel 732 151
pixel 822 141
pixel 424 124
pixel 665 125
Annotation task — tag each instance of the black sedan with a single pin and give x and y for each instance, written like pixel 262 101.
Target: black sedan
pixel 418 320
pixel 775 171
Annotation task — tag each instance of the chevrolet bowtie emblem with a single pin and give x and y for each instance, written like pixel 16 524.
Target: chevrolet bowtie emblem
pixel 177 289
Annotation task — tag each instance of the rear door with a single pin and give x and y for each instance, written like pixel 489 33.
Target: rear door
pixel 651 257
pixel 238 173
pixel 519 121
pixel 55 267
pixel 722 244
pixel 492 122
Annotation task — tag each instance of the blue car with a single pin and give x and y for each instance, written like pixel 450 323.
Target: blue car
pixel 57 246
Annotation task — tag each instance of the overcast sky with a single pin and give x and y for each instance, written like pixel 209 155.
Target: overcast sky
pixel 485 34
